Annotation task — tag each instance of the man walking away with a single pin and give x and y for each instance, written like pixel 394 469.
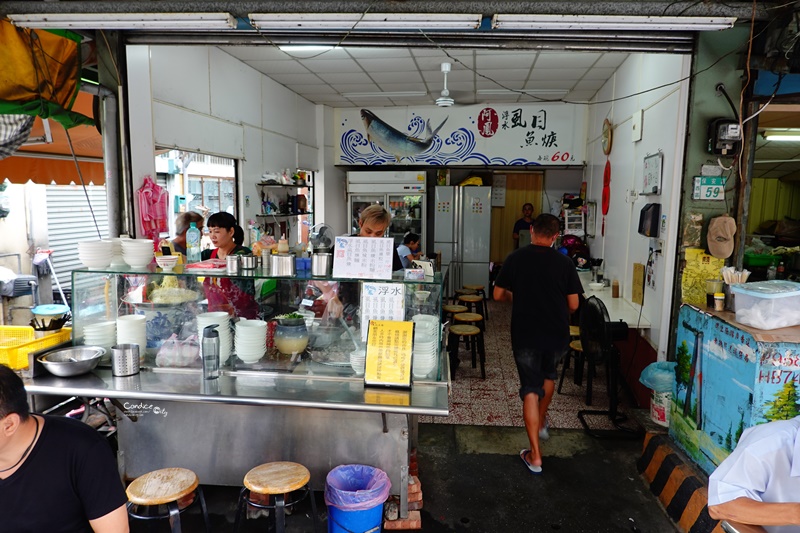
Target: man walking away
pixel 543 287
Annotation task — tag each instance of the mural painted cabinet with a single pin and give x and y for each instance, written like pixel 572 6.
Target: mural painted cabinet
pixel 729 377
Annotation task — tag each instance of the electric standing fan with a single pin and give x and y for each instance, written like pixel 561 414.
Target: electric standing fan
pixel 598 334
pixel 321 237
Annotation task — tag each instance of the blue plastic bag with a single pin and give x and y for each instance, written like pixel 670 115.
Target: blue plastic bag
pixel 659 376
pixel 356 487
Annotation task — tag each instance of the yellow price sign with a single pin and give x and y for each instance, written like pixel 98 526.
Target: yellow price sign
pixel 389 351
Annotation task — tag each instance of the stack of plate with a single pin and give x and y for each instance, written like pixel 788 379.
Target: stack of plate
pixel 100 334
pixel 116 248
pixel 424 355
pixel 358 360
pixel 95 254
pixel 223 321
pixel 138 253
pixel 251 340
pixel 426 325
pixel 132 329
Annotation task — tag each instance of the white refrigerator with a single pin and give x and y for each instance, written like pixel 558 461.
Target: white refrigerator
pixel 462 231
pixel 401 192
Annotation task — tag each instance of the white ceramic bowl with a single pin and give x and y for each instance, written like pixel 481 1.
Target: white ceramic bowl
pixel 595 286
pixel 167 262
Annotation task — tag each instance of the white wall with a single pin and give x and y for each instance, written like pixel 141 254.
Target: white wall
pixel 332 189
pixel 557 183
pixel 201 99
pixel 663 129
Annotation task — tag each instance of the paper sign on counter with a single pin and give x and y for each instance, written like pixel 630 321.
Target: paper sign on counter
pixel 389 347
pixel 363 257
pixel 381 301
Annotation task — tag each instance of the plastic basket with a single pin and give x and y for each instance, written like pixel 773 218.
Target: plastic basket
pixel 16 342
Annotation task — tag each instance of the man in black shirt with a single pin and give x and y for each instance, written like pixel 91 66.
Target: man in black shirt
pixel 523 224
pixel 56 474
pixel 545 289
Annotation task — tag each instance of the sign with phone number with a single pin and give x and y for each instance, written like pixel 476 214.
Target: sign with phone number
pixel 709 188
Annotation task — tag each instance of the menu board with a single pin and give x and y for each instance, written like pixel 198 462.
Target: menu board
pixel 389 346
pixel 363 257
pixel 381 301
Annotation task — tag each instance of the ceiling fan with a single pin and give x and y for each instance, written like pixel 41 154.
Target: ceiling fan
pixel 445 100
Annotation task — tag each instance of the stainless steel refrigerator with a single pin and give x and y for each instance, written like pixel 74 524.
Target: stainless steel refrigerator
pixel 462 231
pixel 401 192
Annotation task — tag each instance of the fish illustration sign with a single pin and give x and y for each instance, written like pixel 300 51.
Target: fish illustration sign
pixel 508 134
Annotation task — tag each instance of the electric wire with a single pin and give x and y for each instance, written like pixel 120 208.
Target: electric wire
pixel 83 183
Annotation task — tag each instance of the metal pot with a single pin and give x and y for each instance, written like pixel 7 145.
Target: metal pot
pixel 249 262
pixel 321 264
pixel 283 265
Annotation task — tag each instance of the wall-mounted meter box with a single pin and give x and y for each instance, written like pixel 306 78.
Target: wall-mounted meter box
pixel 180 203
pixel 724 137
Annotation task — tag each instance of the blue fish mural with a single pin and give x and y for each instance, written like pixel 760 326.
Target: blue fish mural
pixel 394 141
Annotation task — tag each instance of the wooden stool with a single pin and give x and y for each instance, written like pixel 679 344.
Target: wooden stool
pixel 576 351
pixel 465 332
pixel 165 487
pixel 575 334
pixel 479 290
pixel 472 301
pixel 275 480
pixel 462 292
pixel 449 310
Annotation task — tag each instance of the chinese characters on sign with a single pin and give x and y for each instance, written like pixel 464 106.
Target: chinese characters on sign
pixel 362 257
pixel 381 301
pixel 389 353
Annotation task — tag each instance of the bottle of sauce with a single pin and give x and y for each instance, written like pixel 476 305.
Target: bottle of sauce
pixel 615 289
pixel 780 272
pixel 283 245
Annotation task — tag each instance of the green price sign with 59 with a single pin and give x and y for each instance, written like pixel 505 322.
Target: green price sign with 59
pixel 709 188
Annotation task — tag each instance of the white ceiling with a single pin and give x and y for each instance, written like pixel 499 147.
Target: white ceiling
pixel 324 76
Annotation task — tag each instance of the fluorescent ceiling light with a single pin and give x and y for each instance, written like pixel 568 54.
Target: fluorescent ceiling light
pixel 610 22
pixel 126 21
pixel 782 135
pixel 305 48
pixel 388 94
pixel 532 92
pixel 369 21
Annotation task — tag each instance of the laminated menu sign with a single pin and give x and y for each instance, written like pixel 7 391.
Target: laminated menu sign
pixel 381 301
pixel 389 345
pixel 363 257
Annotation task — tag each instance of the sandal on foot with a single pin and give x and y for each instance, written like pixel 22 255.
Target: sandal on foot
pixel 534 469
pixel 544 433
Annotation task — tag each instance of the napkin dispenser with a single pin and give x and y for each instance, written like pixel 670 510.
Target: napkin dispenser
pixel 426 266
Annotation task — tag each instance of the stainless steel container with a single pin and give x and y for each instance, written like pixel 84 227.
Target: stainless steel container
pixel 266 262
pixel 321 264
pixel 249 262
pixel 283 265
pixel 232 262
pixel 125 359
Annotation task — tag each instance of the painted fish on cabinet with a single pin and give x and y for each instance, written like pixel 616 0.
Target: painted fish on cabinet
pixel 394 141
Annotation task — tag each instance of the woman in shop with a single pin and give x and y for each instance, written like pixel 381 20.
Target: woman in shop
pixel 236 296
pixel 409 250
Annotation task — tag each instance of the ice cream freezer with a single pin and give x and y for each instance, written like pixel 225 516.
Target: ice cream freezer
pixel 729 377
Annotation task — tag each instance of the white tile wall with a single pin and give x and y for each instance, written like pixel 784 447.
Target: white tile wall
pixel 180 76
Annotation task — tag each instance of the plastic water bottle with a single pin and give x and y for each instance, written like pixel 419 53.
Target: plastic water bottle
pixel 192 244
pixel 772 272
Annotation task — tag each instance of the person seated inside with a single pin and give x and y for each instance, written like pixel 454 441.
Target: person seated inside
pixel 524 223
pixel 409 250
pixel 757 487
pixel 56 474
pixel 182 224
pixel 235 296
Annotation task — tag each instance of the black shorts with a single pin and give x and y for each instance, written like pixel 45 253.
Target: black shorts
pixel 535 366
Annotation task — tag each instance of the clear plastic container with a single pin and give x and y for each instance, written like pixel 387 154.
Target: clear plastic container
pixel 767 304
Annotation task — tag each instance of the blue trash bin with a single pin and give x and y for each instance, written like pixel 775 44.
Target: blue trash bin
pixel 354 495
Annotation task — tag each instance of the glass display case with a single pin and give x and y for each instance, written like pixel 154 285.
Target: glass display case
pixel 176 306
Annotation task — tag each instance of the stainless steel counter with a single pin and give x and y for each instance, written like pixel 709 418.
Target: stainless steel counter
pixel 250 388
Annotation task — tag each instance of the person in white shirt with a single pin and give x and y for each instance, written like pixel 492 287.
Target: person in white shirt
pixel 759 482
pixel 408 251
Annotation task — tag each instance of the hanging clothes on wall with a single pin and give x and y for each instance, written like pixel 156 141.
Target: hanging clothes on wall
pixel 153 203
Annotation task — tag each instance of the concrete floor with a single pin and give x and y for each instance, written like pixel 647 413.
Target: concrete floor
pixel 473 480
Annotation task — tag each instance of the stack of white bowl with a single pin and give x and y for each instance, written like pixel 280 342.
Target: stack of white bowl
pixel 100 334
pixel 223 322
pixel 426 325
pixel 137 253
pixel 95 254
pixel 116 248
pixel 132 329
pixel 251 340
pixel 358 360
pixel 424 353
